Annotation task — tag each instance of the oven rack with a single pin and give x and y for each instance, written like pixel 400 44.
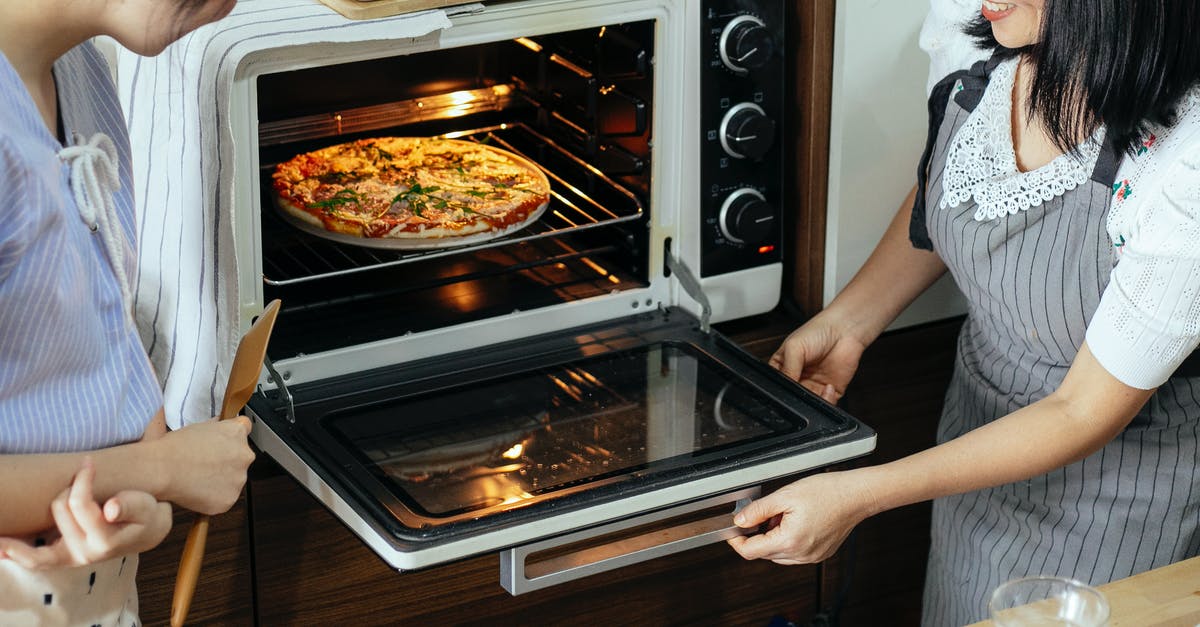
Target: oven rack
pixel 582 197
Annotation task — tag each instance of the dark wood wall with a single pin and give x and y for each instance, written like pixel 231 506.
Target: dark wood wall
pixel 812 67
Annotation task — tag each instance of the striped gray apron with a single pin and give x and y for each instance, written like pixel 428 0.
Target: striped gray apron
pixel 1033 281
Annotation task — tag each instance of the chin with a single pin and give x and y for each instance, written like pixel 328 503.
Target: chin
pixel 146 49
pixel 1012 40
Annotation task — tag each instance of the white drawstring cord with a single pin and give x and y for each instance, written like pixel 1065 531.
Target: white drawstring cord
pixel 94 180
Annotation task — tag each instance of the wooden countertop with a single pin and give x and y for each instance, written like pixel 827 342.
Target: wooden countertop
pixel 1164 597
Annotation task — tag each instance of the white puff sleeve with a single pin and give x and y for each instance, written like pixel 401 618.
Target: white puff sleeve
pixel 1148 320
pixel 942 38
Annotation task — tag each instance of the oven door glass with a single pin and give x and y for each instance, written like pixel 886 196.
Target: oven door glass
pixel 443 449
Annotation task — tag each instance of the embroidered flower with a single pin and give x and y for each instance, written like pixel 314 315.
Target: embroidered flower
pixel 981 164
pixel 1145 147
pixel 1122 189
pixel 1120 241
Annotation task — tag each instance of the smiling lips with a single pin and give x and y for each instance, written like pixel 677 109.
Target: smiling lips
pixel 993 11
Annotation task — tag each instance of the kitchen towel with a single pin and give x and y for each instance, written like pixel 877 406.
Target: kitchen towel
pixel 178 107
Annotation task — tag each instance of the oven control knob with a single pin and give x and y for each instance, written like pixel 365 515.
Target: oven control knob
pixel 746 132
pixel 746 218
pixel 745 44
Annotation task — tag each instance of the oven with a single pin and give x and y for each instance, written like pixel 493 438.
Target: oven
pixel 557 394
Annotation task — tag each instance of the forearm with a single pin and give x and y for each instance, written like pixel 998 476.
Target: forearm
pixel 1075 421
pixel 893 277
pixel 28 483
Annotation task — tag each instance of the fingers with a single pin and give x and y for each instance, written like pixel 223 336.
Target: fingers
pixel 759 546
pixel 830 394
pixel 792 362
pixel 764 510
pixel 245 422
pixel 130 506
pixel 30 557
pixel 758 512
pixel 75 511
pixel 81 497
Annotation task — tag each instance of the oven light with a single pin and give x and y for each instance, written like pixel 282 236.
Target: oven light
pixel 603 29
pixel 461 97
pixel 529 43
pixel 762 250
pixel 514 452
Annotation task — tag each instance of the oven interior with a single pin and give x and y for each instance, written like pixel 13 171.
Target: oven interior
pixel 578 104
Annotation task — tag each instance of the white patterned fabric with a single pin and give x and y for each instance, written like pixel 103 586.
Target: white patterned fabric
pixel 982 165
pixel 1149 318
pixel 942 38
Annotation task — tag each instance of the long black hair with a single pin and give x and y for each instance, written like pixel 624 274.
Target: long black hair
pixel 1124 64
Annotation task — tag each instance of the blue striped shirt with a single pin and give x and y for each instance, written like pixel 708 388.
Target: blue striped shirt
pixel 73 371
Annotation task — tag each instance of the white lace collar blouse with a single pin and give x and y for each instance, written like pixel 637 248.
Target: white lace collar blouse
pixel 982 165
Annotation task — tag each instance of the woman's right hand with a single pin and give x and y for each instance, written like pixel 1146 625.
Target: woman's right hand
pixel 820 356
pixel 206 464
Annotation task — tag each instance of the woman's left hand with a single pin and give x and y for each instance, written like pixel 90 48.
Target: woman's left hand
pixel 808 519
pixel 129 522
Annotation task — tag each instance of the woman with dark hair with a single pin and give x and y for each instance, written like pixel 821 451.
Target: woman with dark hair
pixel 1061 189
pixel 87 472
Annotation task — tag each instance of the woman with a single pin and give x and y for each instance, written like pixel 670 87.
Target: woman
pixel 87 473
pixel 1061 189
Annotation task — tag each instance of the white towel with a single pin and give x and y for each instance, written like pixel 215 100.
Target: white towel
pixel 183 158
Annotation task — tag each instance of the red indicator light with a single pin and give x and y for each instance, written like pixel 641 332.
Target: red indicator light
pixel 762 250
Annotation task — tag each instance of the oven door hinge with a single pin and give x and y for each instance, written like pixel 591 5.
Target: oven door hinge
pixel 691 285
pixel 284 393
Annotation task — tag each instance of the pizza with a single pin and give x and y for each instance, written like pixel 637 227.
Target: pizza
pixel 411 188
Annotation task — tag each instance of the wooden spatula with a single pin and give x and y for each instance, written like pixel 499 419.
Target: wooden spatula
pixel 243 378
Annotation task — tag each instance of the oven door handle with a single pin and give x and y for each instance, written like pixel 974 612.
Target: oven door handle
pixel 518 576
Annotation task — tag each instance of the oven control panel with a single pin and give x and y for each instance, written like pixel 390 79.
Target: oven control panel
pixel 742 104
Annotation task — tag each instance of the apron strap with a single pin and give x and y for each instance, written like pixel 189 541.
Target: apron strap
pixel 1108 162
pixel 974 82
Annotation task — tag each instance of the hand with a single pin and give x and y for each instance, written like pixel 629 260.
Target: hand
pixel 206 464
pixel 808 520
pixel 129 522
pixel 821 357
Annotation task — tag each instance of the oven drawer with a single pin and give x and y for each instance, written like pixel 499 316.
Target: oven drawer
pixel 549 437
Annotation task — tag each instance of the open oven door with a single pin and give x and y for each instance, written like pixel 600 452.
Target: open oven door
pixel 536 444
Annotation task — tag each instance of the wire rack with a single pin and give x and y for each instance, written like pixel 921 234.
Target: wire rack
pixel 582 197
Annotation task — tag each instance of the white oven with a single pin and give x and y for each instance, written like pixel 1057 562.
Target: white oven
pixel 532 393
